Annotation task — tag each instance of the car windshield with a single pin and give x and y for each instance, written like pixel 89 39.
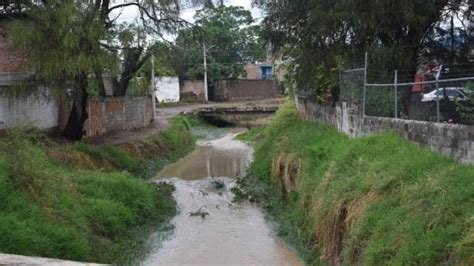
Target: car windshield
pixel 450 93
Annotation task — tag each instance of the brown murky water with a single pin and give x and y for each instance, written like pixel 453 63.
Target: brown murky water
pixel 233 233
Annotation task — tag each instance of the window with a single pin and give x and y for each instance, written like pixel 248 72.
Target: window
pixel 266 72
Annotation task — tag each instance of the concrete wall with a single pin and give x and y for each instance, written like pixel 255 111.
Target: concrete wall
pixel 111 114
pixel 456 141
pixel 39 109
pixel 192 90
pixel 246 89
pixel 167 89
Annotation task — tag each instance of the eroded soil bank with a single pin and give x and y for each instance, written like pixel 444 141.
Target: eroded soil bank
pixel 230 233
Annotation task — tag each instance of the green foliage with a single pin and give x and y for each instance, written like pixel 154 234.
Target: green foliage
pixel 466 109
pixel 231 38
pixel 61 40
pixel 322 37
pixel 81 201
pixel 381 102
pixel 374 201
pixel 251 135
pixel 110 154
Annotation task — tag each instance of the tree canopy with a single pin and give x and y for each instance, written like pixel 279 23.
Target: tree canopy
pixel 231 38
pixel 70 42
pixel 321 36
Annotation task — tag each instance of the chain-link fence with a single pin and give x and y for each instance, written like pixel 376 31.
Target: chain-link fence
pixel 450 100
pixel 352 84
pixel 446 94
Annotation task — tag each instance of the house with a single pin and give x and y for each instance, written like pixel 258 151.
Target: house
pixel 259 71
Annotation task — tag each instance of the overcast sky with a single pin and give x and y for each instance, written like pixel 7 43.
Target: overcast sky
pixel 131 13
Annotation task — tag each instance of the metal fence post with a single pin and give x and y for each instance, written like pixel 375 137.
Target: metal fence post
pixel 365 83
pixel 396 93
pixel 438 112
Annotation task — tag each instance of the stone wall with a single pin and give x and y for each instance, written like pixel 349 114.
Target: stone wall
pixel 112 114
pixel 192 90
pixel 39 110
pixel 246 89
pixel 456 141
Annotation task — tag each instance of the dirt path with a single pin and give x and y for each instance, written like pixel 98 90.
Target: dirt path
pixel 164 115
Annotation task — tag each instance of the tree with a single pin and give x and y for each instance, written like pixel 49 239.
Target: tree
pixel 61 47
pixel 231 38
pixel 451 39
pixel 69 41
pixel 207 3
pixel 323 36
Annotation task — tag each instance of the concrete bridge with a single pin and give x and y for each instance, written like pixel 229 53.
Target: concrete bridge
pixel 248 116
pixel 245 110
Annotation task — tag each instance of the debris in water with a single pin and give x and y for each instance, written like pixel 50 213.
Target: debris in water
pixel 218 183
pixel 200 212
pixel 204 193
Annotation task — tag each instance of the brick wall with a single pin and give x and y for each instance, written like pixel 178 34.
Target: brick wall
pixel 252 71
pixel 39 110
pixel 10 61
pixel 246 89
pixel 192 90
pixel 456 141
pixel 111 114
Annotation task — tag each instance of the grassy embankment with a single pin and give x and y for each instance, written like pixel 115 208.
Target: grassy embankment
pixel 84 202
pixel 375 200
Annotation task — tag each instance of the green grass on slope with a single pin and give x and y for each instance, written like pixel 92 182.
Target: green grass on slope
pixel 83 202
pixel 250 135
pixel 374 200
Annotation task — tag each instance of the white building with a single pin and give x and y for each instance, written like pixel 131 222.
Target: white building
pixel 167 89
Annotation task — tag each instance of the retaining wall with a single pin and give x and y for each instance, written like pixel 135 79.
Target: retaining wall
pixel 456 141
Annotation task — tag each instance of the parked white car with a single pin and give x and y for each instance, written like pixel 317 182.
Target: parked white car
pixel 453 93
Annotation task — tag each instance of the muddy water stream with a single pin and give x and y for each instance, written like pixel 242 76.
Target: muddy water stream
pixel 233 233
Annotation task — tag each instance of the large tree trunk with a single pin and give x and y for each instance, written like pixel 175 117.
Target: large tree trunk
pixel 74 129
pixel 100 83
pixel 131 65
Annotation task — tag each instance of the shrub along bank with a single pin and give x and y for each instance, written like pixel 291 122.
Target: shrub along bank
pixel 84 202
pixel 375 200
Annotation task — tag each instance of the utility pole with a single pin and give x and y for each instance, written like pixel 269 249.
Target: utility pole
pixel 206 97
pixel 153 87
